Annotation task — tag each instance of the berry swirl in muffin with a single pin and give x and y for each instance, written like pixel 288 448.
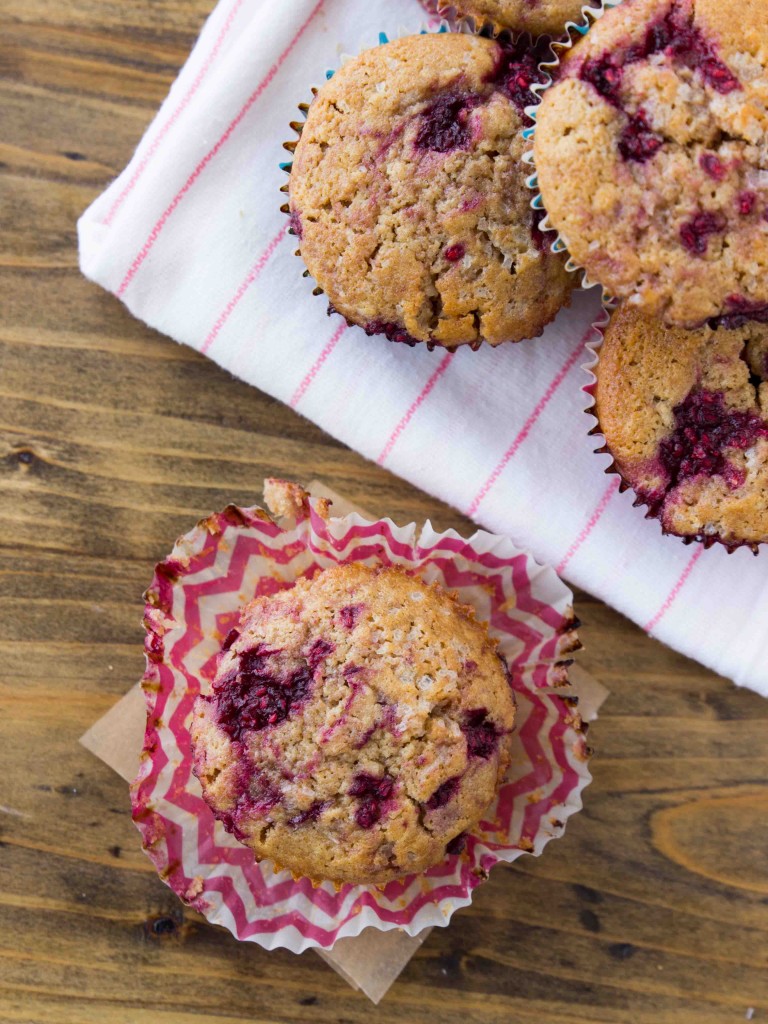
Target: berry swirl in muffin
pixel 683 414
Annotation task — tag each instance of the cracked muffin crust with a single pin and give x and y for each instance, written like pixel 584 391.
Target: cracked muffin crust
pixel 407 194
pixel 358 725
pixel 540 17
pixel 684 414
pixel 652 157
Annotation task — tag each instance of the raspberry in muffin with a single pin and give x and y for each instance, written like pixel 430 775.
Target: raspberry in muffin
pixel 358 725
pixel 408 195
pixel 544 17
pixel 652 158
pixel 684 415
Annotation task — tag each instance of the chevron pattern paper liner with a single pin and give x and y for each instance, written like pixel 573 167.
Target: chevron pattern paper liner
pixel 193 602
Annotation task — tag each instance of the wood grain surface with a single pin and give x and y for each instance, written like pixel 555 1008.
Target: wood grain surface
pixel 113 440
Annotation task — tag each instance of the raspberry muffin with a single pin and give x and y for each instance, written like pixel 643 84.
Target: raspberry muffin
pixel 545 17
pixel 683 414
pixel 358 724
pixel 652 158
pixel 408 196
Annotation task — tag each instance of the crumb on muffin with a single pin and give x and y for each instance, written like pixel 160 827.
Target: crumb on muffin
pixel 652 160
pixel 358 725
pixel 684 415
pixel 408 194
pixel 544 17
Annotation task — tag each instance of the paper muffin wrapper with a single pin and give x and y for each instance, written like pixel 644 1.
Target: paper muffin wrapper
pixel 445 23
pixel 195 599
pixel 573 33
pixel 455 16
pixel 593 346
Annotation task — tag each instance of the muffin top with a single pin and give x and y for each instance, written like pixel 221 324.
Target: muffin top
pixel 652 157
pixel 684 415
pixel 408 195
pixel 358 724
pixel 545 17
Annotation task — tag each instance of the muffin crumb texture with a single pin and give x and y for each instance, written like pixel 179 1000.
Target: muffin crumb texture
pixel 358 726
pixel 284 498
pixel 652 158
pixel 543 17
pixel 683 414
pixel 408 197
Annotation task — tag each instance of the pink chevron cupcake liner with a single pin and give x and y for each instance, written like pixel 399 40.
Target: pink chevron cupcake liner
pixel 193 602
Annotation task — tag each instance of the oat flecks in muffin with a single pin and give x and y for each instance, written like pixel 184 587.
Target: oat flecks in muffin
pixel 539 17
pixel 684 415
pixel 358 724
pixel 652 157
pixel 409 192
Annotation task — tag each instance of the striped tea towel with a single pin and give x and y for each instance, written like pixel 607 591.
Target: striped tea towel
pixel 191 238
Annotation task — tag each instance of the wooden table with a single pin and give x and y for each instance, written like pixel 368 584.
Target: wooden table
pixel 653 908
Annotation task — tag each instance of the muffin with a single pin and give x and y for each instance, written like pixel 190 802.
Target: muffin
pixel 546 17
pixel 358 724
pixel 683 414
pixel 408 195
pixel 652 158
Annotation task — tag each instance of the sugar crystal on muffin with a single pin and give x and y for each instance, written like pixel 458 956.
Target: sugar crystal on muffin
pixel 408 194
pixel 652 160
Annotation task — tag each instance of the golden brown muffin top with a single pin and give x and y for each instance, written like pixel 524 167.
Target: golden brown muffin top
pixel 652 157
pixel 684 416
pixel 544 17
pixel 408 195
pixel 358 724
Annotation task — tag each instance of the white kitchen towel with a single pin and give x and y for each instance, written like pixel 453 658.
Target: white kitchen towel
pixel 190 237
